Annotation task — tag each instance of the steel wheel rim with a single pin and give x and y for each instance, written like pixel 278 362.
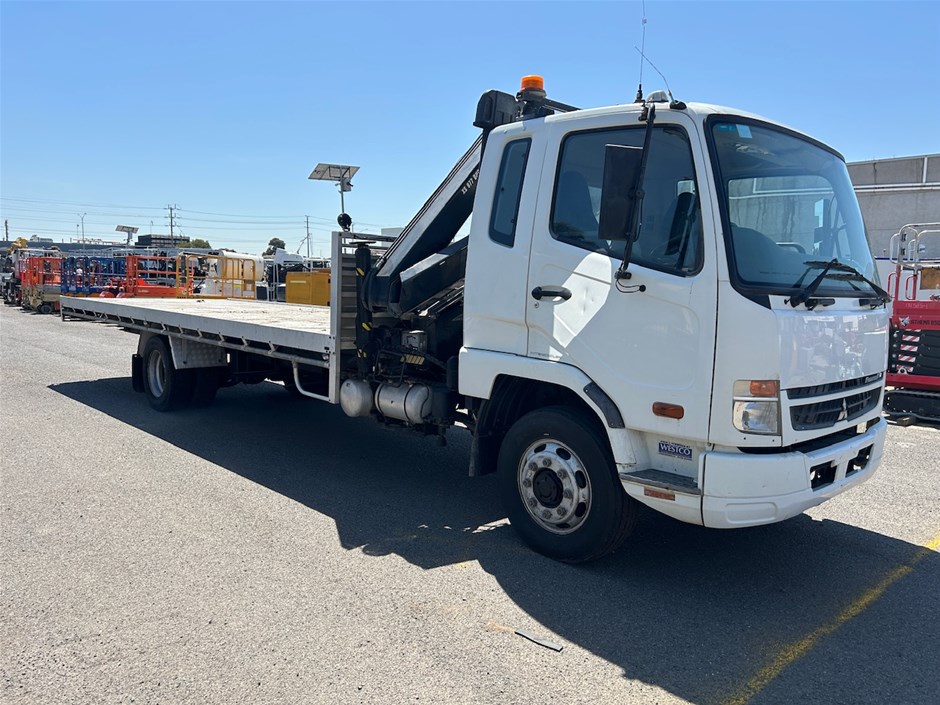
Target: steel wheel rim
pixel 554 486
pixel 156 373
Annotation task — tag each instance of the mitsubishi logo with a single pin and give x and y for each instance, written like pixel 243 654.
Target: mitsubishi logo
pixel 844 412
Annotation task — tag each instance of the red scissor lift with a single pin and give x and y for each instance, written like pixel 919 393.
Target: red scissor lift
pixel 158 276
pixel 41 284
pixel 913 378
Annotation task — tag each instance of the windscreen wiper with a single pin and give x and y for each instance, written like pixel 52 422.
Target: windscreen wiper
pixel 847 273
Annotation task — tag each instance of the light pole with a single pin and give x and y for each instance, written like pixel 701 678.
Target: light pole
pixel 308 238
pixel 82 217
pixel 129 230
pixel 340 174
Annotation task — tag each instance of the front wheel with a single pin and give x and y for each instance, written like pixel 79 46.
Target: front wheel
pixel 560 488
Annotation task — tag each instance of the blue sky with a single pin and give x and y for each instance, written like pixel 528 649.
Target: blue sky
pixel 117 109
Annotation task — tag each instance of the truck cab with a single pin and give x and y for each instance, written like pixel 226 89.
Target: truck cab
pixel 735 379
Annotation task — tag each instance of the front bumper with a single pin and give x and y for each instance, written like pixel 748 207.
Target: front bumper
pixel 744 489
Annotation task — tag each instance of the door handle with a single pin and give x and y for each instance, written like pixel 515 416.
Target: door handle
pixel 551 292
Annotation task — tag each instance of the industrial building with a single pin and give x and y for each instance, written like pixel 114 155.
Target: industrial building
pixel 895 192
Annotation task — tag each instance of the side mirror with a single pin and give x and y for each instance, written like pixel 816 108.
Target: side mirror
pixel 622 170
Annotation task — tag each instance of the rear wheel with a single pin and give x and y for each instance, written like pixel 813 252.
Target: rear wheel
pixel 560 488
pixel 45 308
pixel 167 388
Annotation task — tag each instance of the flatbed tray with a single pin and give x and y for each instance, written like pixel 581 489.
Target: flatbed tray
pixel 272 327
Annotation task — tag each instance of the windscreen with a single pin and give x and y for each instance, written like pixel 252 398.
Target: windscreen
pixel 789 204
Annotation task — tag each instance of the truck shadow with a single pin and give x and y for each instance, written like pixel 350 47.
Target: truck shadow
pixel 697 612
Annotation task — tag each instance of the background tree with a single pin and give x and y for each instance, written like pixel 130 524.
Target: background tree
pixel 196 242
pixel 274 244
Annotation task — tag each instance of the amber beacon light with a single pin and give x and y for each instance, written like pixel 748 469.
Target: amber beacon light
pixel 532 83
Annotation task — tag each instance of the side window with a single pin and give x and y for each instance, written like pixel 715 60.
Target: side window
pixel 508 192
pixel 670 231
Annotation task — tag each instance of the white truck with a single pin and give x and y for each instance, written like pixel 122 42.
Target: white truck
pixel 660 303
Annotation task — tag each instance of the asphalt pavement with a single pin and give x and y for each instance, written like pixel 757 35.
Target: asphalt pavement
pixel 269 549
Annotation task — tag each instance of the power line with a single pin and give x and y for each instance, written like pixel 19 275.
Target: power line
pixel 244 222
pixel 68 205
pixel 287 217
pixel 241 230
pixel 297 226
pixel 65 207
pixel 238 215
pixel 93 218
pixel 32 218
pixel 104 214
pixel 76 203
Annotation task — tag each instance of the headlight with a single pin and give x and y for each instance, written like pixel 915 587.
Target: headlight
pixel 757 407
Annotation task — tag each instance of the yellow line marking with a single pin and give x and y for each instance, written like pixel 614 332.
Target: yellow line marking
pixel 791 653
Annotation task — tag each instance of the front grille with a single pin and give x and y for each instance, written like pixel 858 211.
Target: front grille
pixel 821 390
pixel 814 444
pixel 824 414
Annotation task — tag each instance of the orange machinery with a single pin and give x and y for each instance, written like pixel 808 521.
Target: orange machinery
pixel 219 276
pixel 155 276
pixel 41 284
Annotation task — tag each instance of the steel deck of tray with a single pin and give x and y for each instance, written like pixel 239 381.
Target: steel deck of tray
pixel 288 331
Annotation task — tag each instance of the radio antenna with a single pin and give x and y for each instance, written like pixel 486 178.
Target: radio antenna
pixel 643 58
pixel 639 88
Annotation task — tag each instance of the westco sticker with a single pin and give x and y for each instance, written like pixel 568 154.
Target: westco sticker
pixel 675 450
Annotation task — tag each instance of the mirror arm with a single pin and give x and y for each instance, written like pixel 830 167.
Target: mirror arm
pixel 633 231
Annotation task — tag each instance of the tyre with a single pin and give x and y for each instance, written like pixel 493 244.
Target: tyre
pixel 45 308
pixel 560 489
pixel 166 387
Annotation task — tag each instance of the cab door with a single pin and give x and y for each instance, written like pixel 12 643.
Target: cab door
pixel 645 339
pixel 498 258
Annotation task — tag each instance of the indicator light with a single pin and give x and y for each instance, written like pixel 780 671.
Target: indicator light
pixel 670 411
pixel 763 388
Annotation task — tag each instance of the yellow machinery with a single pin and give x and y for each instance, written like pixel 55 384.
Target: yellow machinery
pixel 312 288
pixel 224 275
